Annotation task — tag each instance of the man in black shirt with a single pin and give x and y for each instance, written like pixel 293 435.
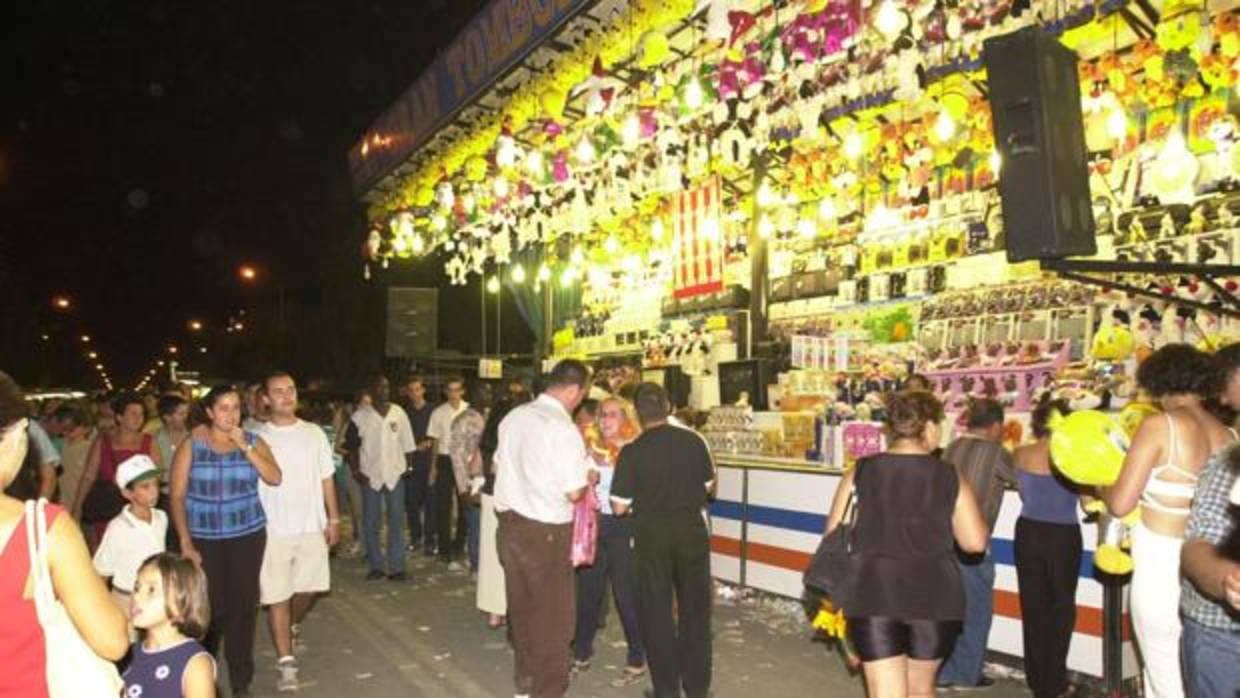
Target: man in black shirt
pixel 419 497
pixel 663 478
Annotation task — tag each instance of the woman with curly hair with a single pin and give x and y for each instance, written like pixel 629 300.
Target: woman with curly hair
pixel 911 509
pixel 1160 473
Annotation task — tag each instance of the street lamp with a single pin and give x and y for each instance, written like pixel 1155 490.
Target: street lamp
pixel 85 339
pixel 62 303
pixel 172 348
pixel 92 355
pixel 195 325
pixel 247 273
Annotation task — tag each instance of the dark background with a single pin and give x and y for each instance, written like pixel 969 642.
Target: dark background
pixel 150 148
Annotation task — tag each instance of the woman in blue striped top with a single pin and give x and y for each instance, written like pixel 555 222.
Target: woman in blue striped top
pixel 221 524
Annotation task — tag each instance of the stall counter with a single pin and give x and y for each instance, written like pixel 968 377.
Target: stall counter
pixel 769 514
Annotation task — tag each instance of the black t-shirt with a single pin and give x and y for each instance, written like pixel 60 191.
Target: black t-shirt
pixel 667 469
pixel 420 421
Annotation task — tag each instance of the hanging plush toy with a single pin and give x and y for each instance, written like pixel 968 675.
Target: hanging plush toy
pixel 1089 448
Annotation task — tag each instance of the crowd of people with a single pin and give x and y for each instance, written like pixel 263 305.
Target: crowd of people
pixel 174 522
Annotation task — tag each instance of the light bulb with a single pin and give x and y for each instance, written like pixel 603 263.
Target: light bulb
pixel 656 230
pixel 944 126
pixel 631 263
pixel 765 227
pixel 852 145
pixel 792 199
pixel 418 245
pixel 493 285
pixel 400 245
pixel 996 162
pixel 807 229
pixel 826 209
pixel 1117 123
pixel 585 151
pixel 518 274
pixel 505 151
pixel 611 244
pixel 439 223
pixel 577 256
pixel 534 163
pixel 889 20
pixel 632 130
pixel 766 196
pixel 568 276
pixel 544 273
pixel 501 188
pixel 693 95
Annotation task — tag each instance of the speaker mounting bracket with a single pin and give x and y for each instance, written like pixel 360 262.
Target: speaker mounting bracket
pixel 1086 271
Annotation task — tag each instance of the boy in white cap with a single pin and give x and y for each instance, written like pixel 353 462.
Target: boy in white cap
pixel 135 534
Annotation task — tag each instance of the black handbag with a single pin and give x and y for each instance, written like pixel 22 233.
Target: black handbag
pixel 833 566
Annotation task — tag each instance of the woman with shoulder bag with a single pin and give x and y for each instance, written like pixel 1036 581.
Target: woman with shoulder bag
pixel 86 604
pixel 907 603
pixel 98 499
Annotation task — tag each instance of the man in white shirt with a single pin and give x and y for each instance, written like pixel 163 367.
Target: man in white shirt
pixel 380 446
pixel 302 520
pixel 442 479
pixel 541 469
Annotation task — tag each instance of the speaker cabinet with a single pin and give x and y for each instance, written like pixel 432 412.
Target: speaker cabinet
pixel 412 322
pixel 1035 99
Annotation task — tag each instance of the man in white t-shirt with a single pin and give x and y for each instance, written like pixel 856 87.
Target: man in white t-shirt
pixel 442 478
pixel 379 448
pixel 302 520
pixel 541 469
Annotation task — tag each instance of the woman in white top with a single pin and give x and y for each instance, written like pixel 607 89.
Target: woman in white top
pixel 1160 474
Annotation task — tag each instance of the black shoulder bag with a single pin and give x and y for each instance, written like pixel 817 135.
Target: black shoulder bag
pixel 832 568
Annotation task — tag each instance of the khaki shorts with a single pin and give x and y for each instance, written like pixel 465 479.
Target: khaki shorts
pixel 294 565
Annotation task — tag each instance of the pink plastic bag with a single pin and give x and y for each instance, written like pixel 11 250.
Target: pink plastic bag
pixel 585 529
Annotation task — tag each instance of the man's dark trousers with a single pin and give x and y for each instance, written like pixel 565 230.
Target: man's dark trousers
pixel 672 552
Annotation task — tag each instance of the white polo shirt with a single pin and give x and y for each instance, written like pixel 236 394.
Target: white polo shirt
pixel 385 441
pixel 296 506
pixel 440 426
pixel 127 543
pixel 540 460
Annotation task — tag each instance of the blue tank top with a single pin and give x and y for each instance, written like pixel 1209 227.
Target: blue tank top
pixel 222 501
pixel 158 673
pixel 1046 499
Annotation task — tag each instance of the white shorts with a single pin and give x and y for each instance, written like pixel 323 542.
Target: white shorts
pixel 294 565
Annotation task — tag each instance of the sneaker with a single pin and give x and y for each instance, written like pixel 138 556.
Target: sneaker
pixel 397 577
pixel 628 677
pixel 374 574
pixel 455 566
pixel 288 675
pixel 982 683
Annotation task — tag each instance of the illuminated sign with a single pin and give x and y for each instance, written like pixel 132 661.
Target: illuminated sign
pixel 502 34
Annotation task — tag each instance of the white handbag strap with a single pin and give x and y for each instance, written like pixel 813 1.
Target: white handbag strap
pixel 36 544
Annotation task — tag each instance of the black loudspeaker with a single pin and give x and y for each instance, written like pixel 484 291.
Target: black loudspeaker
pixel 412 322
pixel 1035 99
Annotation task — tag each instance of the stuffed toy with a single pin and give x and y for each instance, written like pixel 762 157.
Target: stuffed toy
pixel 1088 448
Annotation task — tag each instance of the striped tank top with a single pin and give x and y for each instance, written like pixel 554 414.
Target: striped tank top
pixel 222 501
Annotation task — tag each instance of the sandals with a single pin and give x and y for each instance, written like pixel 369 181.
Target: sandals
pixel 628 677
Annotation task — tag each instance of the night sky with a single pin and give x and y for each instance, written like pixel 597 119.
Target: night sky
pixel 147 149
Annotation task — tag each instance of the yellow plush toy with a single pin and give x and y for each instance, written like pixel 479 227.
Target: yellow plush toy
pixel 1089 447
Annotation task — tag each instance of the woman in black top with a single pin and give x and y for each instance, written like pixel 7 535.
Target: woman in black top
pixel 908 602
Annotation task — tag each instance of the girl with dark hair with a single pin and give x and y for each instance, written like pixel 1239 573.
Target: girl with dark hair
pixel 221 524
pixel 1048 558
pixel 1160 473
pixel 98 500
pixel 23 646
pixel 910 509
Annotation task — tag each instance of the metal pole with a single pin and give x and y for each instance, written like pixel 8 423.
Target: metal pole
pixel 499 312
pixel 482 289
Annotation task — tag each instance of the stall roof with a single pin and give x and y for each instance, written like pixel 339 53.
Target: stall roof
pixel 486 61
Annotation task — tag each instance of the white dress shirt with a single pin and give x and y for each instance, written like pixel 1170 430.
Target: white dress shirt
pixel 127 543
pixel 541 459
pixel 385 441
pixel 440 426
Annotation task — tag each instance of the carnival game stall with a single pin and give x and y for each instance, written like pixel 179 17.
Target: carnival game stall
pixel 781 209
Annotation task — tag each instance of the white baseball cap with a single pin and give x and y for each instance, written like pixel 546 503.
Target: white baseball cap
pixel 134 469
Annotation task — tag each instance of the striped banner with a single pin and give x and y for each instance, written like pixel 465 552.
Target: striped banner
pixel 697 241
